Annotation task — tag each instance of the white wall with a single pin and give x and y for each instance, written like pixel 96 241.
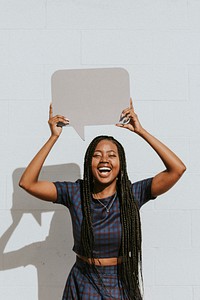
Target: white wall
pixel 157 41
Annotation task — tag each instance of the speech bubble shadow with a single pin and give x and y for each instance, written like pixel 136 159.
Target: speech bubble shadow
pixel 90 96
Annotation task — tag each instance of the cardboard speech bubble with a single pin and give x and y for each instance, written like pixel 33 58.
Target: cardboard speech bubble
pixel 90 96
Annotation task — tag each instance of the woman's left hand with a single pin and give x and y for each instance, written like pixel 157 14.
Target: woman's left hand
pixel 134 124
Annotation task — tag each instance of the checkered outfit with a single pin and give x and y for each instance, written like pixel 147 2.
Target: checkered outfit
pixel 82 282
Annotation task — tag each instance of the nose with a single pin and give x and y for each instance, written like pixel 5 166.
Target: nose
pixel 104 158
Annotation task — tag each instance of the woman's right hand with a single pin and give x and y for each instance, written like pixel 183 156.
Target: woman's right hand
pixel 54 120
pixel 29 181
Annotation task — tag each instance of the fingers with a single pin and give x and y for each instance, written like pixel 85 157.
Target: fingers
pixel 131 103
pixel 129 114
pixel 50 111
pixel 123 125
pixel 58 119
pixel 126 113
pixel 128 110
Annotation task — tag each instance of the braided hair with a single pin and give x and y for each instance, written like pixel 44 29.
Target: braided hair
pixel 130 270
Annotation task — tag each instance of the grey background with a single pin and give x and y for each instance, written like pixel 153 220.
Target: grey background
pixel 157 42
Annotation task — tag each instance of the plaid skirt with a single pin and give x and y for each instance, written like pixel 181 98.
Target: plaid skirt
pixel 83 283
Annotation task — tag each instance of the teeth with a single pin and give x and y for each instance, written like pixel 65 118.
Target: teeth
pixel 104 169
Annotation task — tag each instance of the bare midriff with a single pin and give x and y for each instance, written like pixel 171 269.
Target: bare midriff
pixel 111 261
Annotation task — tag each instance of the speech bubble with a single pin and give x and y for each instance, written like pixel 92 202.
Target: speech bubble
pixel 90 96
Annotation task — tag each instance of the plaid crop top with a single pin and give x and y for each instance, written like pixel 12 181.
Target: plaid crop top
pixel 106 225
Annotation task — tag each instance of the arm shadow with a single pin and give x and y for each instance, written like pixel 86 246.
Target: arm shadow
pixel 53 256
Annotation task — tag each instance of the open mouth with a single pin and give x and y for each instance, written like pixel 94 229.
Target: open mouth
pixel 104 170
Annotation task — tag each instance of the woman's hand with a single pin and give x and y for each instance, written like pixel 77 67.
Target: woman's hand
pixel 56 122
pixel 134 124
pixel 29 181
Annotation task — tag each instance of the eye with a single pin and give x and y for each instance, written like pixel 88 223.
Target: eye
pixel 96 155
pixel 112 155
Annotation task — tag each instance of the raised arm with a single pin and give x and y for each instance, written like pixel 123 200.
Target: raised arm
pixel 29 181
pixel 164 180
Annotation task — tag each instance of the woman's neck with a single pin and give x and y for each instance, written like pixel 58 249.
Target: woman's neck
pixel 102 191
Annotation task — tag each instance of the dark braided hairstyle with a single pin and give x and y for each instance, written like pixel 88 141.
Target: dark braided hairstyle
pixel 130 270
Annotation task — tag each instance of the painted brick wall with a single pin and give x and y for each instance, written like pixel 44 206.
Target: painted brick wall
pixel 157 41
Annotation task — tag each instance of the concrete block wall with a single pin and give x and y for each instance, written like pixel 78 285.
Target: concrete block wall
pixel 158 43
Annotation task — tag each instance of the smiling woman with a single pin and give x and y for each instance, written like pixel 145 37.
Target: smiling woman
pixel 104 208
pixel 105 168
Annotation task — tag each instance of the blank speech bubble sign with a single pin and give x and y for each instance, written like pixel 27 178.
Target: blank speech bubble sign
pixel 90 96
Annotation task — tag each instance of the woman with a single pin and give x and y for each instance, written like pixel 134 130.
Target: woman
pixel 104 207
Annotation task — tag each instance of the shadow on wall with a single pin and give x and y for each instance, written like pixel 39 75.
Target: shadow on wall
pixel 52 257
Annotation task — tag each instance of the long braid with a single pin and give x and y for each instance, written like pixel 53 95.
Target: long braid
pixel 129 272
pixel 87 237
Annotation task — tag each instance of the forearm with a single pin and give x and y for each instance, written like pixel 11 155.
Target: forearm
pixel 164 180
pixel 32 172
pixel 171 161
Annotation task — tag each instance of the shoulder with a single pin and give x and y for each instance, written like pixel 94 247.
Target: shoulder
pixel 142 191
pixel 140 185
pixel 74 188
pixel 69 185
pixel 67 191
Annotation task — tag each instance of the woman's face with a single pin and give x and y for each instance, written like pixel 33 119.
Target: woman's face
pixel 105 162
